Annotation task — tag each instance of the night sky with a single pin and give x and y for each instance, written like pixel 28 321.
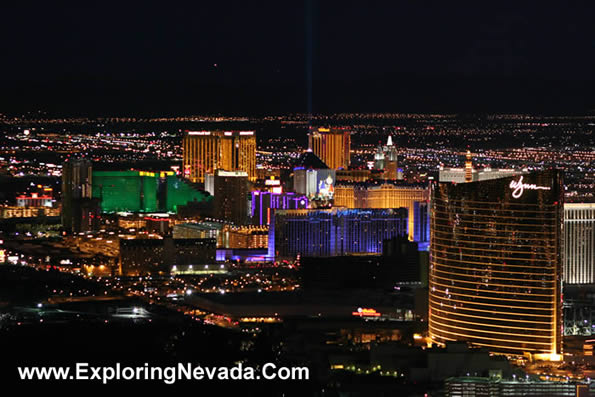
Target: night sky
pixel 292 56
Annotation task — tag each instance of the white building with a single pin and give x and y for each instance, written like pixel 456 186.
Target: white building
pixel 457 175
pixel 579 243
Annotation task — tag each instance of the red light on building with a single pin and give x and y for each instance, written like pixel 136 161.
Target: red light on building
pixel 364 312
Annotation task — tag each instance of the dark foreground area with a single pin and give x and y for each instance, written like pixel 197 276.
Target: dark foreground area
pixel 95 333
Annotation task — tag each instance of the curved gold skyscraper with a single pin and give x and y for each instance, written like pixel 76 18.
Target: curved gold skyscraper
pixel 495 263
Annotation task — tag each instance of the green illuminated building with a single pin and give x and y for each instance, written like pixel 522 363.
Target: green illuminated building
pixel 143 191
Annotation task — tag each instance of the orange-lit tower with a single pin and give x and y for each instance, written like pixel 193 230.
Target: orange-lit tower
pixel 495 276
pixel 207 151
pixel 331 145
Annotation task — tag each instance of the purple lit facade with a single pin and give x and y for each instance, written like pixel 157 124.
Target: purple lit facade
pixel 264 202
pixel 334 232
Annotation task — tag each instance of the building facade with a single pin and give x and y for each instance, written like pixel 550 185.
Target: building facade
pixel 264 203
pixel 579 243
pixel 386 159
pixel 496 264
pixel 145 191
pixel 35 200
pixel 244 237
pixel 231 196
pixel 159 256
pixel 13 211
pixel 385 195
pixel 357 175
pixel 421 224
pixel 334 232
pixel 203 229
pixel 331 145
pixel 207 151
pixel 470 174
pixel 76 192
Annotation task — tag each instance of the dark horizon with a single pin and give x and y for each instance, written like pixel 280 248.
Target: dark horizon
pixel 320 57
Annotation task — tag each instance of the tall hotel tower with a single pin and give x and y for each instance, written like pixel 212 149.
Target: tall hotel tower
pixel 76 195
pixel 207 151
pixel 496 264
pixel 331 145
pixel 579 243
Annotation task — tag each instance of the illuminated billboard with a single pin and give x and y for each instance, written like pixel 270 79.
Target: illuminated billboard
pixel 315 183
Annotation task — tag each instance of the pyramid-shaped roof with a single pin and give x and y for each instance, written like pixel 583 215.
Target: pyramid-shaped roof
pixel 308 160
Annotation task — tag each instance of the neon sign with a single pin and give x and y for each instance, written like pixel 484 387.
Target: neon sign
pixel 365 313
pixel 518 187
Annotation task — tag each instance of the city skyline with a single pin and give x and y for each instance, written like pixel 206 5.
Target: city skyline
pixel 359 250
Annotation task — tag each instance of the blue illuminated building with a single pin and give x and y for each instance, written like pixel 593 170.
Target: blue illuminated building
pixel 335 231
pixel 421 224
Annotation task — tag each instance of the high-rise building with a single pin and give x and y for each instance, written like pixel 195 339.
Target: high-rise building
pixel 332 145
pixel 334 232
pixel 77 178
pixel 230 189
pixel 386 194
pixel 496 264
pixel 386 159
pixel 579 243
pixel 421 224
pixel 87 215
pixel 76 196
pixel 207 151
